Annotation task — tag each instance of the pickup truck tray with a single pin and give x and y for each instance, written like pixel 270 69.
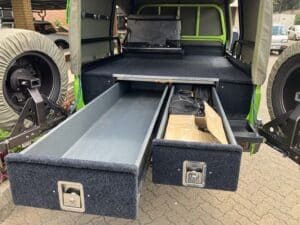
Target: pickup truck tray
pixel 95 161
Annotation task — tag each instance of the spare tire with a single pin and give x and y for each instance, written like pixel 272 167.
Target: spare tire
pixel 23 49
pixel 284 82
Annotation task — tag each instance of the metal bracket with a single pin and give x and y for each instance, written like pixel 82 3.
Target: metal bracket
pixel 167 79
pixel 283 134
pixel 38 115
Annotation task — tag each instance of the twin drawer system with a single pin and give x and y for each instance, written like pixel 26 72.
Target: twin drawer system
pixel 95 161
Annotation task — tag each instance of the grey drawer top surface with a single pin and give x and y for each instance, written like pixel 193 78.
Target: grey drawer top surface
pixel 118 135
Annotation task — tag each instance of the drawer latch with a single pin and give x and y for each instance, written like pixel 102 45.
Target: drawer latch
pixel 194 174
pixel 71 196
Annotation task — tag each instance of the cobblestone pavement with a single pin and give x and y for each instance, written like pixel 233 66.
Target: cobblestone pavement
pixel 268 193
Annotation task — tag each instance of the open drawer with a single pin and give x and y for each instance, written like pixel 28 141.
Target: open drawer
pixel 195 164
pixel 95 161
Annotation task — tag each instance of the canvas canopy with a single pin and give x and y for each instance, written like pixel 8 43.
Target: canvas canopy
pixel 255 30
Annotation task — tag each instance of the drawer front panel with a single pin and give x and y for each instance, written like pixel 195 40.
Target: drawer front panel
pixel 106 192
pixel 217 166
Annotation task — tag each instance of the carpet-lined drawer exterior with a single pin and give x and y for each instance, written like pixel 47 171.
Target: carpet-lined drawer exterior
pixel 222 163
pixel 197 164
pixel 109 189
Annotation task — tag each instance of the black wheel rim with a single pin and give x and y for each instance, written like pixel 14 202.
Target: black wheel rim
pixel 40 66
pixel 290 87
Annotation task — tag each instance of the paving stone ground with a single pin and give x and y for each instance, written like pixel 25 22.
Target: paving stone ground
pixel 268 193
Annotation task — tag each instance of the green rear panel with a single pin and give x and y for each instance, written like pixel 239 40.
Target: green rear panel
pixel 211 13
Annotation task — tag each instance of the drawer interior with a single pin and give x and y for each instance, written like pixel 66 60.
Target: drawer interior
pixel 118 135
pixel 209 95
pixel 115 128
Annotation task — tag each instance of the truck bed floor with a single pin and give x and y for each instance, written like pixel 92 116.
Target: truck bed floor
pixel 210 66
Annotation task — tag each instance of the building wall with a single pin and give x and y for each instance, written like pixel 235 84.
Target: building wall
pixel 286 20
pixel 53 16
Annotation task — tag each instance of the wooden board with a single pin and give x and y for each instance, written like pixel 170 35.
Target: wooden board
pixel 215 124
pixel 186 127
pixel 183 128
